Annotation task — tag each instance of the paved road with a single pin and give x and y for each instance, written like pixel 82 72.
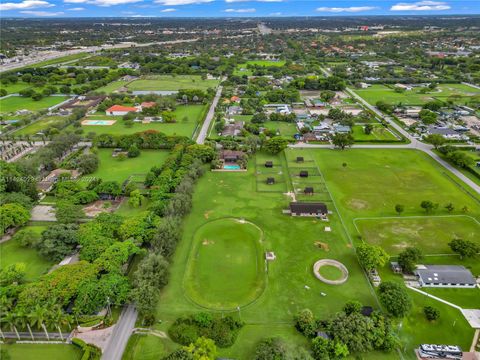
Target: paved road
pixel 208 120
pixel 121 333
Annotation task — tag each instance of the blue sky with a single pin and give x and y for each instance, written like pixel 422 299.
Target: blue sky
pixel 232 8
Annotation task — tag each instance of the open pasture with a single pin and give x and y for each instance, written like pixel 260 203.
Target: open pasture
pixel 370 182
pixel 114 169
pixel 414 97
pixel 14 103
pixel 379 132
pixel 40 125
pixel 171 83
pixel 431 234
pixel 227 267
pixel 297 243
pixel 277 172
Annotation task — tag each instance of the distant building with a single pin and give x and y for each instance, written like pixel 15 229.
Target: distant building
pixel 231 156
pixel 233 129
pixel 445 276
pixel 341 129
pixel 119 110
pixel 316 209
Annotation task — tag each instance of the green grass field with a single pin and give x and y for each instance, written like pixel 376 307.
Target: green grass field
pixel 113 169
pixel 284 129
pixel 12 252
pixel 15 88
pixel 369 186
pixel 147 347
pixel 412 97
pixel 40 125
pixel 242 69
pixel 187 119
pixel 296 244
pixel 226 267
pixel 431 234
pixel 277 172
pixel 171 83
pixel 109 88
pixel 42 351
pixel 15 103
pixel 378 133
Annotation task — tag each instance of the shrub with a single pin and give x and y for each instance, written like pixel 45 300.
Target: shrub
pixel 222 330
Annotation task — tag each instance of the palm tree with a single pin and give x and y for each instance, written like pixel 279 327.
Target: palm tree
pixel 59 319
pixel 38 317
pixel 10 319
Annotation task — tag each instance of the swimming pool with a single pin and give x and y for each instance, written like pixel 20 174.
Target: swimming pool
pixel 231 167
pixel 98 122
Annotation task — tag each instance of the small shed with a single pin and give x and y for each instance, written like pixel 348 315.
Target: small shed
pixel 299 159
pixel 396 268
pixel 304 173
pixel 270 256
pixel 268 164
pixel 270 181
pixel 308 190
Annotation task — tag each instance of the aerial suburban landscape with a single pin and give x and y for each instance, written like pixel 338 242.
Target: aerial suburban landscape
pixel 239 179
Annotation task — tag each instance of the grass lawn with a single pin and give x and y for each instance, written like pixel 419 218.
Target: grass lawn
pixel 113 169
pixel 43 351
pixel 12 252
pixel 431 234
pixel 330 272
pixel 379 132
pixel 226 267
pixel 40 125
pixel 465 298
pixel 284 129
pixel 171 83
pixel 128 211
pixel 219 195
pixel 114 85
pixel 450 328
pixel 374 181
pixel 277 172
pixel 184 127
pixel 61 60
pixel 242 69
pixel 413 97
pixel 369 186
pixel 15 88
pixel 147 347
pixel 15 103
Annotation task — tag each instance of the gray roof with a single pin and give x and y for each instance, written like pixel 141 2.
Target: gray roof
pixel 445 274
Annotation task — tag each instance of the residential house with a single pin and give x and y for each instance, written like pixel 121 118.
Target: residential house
pixel 119 110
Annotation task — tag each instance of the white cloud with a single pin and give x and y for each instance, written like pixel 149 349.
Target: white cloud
pixel 351 9
pixel 42 13
pixel 76 9
pixel 240 11
pixel 275 14
pixel 26 4
pixel 181 2
pixel 237 1
pixel 102 2
pixel 168 10
pixel 421 6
